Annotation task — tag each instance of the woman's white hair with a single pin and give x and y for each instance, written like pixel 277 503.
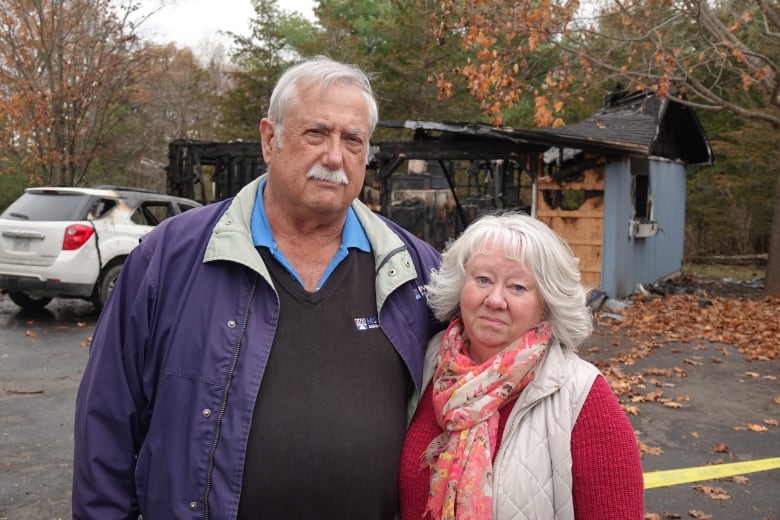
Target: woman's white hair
pixel 539 250
pixel 322 71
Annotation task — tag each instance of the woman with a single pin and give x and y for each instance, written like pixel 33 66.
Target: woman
pixel 513 423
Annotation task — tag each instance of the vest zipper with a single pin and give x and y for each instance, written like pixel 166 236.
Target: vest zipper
pixel 512 423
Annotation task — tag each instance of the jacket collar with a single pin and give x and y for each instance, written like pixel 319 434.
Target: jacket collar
pixel 231 240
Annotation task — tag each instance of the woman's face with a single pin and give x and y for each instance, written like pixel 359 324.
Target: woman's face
pixel 499 302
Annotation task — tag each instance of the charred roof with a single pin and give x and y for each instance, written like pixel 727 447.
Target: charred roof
pixel 640 124
pixel 634 124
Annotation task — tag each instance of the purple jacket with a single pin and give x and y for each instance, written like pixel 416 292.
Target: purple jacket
pixel 166 401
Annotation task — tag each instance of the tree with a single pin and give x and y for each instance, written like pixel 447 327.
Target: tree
pixel 392 40
pixel 260 59
pixel 174 96
pixel 65 78
pixel 720 56
pixel 772 281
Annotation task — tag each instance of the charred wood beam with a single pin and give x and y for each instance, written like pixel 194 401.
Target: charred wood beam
pixel 449 176
pixel 574 169
pixel 385 171
pixel 456 149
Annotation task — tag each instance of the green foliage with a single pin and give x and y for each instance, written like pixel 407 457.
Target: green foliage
pixel 730 204
pixel 12 183
pixel 260 59
pixel 393 41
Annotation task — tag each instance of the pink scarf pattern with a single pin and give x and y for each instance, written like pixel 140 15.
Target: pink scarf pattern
pixel 466 397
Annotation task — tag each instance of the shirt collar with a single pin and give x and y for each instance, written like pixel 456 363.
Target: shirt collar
pixel 353 234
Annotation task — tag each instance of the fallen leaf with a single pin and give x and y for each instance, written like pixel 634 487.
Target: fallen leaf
pixel 756 427
pixel 720 448
pixel 658 372
pixel 752 374
pixel 672 404
pixel 713 492
pixel 631 409
pixel 701 515
pixel 30 333
pixel 695 435
pixel 770 422
pixel 644 448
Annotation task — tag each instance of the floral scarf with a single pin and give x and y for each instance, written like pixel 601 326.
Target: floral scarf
pixel 466 397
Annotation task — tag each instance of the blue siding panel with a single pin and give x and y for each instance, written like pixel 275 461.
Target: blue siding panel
pixel 627 262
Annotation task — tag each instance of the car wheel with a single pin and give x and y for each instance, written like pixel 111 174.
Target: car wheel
pixel 105 285
pixel 29 302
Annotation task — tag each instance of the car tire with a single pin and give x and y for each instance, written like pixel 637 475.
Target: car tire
pixel 105 285
pixel 29 302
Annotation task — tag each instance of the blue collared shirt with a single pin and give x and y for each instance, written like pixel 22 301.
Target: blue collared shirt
pixel 352 235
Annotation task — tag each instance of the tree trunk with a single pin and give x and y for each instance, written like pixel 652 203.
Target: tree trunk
pixel 772 281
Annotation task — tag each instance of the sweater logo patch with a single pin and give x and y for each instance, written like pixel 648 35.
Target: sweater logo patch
pixel 371 322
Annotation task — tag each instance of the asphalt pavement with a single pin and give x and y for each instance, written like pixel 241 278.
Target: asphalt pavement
pixel 42 355
pixel 724 409
pixel 698 405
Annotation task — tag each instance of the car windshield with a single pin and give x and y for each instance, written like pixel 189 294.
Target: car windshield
pixel 47 207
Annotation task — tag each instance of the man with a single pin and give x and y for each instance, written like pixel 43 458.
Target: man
pixel 255 357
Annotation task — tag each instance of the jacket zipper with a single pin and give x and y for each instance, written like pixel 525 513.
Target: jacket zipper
pixel 223 407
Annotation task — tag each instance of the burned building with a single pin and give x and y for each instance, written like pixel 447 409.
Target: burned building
pixel 613 185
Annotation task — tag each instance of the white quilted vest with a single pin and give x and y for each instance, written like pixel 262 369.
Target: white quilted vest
pixel 532 477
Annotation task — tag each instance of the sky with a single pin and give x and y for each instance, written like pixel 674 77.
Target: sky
pixel 190 23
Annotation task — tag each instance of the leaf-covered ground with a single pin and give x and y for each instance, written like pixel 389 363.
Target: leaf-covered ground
pixel 751 325
pixel 694 326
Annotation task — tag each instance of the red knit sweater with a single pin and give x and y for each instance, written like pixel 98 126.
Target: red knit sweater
pixel 606 468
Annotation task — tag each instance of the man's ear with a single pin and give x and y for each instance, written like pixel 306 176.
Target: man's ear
pixel 267 139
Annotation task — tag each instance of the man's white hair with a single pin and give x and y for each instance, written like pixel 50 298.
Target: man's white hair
pixel 323 71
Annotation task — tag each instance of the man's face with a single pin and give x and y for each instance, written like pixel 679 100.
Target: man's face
pixel 320 167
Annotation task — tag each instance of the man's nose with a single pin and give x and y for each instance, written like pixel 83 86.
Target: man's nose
pixel 334 157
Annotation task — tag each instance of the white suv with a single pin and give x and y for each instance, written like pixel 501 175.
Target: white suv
pixel 72 242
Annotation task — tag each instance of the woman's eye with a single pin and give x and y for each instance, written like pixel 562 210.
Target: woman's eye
pixel 517 288
pixel 482 280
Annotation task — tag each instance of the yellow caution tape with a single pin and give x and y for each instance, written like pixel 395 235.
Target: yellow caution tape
pixel 672 477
